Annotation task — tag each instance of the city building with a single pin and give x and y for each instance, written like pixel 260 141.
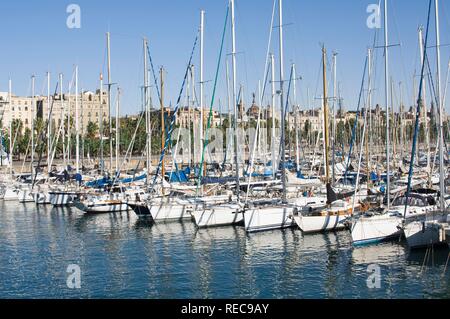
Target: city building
pixel 27 109
pixel 188 115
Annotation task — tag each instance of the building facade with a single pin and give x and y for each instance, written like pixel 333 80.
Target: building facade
pixel 91 108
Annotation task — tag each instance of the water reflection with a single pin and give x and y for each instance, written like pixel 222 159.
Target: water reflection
pixel 122 256
pixel 382 254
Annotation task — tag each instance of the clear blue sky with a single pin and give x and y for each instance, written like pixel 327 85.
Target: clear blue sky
pixel 35 40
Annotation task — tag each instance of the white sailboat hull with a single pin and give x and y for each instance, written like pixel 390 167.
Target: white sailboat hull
pixel 25 196
pixel 316 224
pixel 62 199
pixel 426 231
pixel 10 195
pixel 368 230
pixel 420 234
pixel 42 198
pixel 221 215
pixel 102 207
pixel 170 212
pixel 268 218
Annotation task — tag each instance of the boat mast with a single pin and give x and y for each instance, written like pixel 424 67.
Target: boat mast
pixel 102 164
pixel 117 131
pixel 194 116
pixel 147 114
pixel 228 132
pixel 333 135
pixel 425 109
pixel 369 105
pixel 163 133
pixel 202 116
pixel 49 125
pixel 236 115
pixel 394 126
pixel 61 98
pixel 401 140
pixel 325 115
pixel 274 157
pixel 283 146
pixel 11 155
pixel 189 120
pixel 309 110
pixel 441 111
pixel 296 108
pixel 33 108
pixel 386 80
pixel 108 44
pixel 77 123
pixel 69 127
pixel 82 128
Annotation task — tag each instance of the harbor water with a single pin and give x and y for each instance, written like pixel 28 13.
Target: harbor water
pixel 123 256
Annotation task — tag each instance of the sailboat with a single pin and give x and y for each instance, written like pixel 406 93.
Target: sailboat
pixel 9 193
pixel 379 225
pixel 25 194
pixel 218 211
pixel 431 227
pixel 265 215
pixel 337 210
pixel 113 201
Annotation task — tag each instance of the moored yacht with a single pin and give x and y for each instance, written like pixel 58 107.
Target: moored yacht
pixel 378 226
pixel 268 215
pixel 426 230
pixel 223 214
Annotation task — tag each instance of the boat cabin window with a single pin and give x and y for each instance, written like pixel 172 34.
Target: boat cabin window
pixel 412 201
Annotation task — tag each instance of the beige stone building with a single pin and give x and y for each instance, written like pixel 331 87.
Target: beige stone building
pixel 186 115
pixel 20 108
pixel 28 109
pixel 313 117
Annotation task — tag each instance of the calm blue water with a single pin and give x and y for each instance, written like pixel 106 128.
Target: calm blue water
pixel 121 256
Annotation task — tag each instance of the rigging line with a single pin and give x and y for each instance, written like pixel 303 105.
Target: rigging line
pixel 431 82
pixel 169 135
pixel 212 99
pixel 354 131
pixel 401 49
pixel 254 149
pixel 317 84
pixel 129 151
pixel 285 111
pixel 247 39
pixel 418 113
pixel 436 100
pixel 259 113
pixel 155 78
pixel 266 63
pixel 43 138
